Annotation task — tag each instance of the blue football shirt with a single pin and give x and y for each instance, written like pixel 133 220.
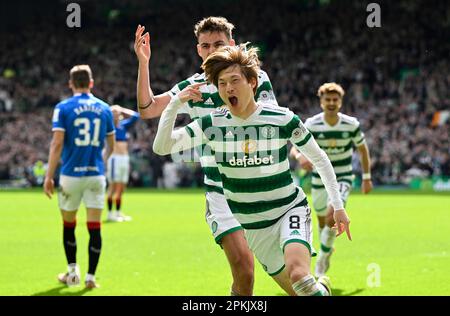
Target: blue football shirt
pixel 86 121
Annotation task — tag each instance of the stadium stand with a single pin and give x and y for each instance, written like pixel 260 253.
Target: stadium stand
pixel 397 77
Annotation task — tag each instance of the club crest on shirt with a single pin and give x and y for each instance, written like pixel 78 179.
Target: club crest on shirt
pixel 214 226
pixel 332 142
pixel 268 131
pixel 264 95
pixel 249 146
pixel 298 132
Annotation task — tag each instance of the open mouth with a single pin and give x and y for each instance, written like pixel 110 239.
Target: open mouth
pixel 233 100
pixel 331 108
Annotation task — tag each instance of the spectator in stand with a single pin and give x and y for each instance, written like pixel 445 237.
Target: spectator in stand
pixel 396 79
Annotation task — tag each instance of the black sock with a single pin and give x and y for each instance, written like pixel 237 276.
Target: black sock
pixel 69 241
pixel 95 245
pixel 118 202
pixel 110 204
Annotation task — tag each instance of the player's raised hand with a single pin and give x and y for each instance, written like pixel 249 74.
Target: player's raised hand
pixel 142 44
pixel 49 187
pixel 116 109
pixel 342 223
pixel 366 186
pixel 191 92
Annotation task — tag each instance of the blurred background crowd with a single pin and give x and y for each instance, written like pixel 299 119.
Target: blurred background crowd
pixel 396 77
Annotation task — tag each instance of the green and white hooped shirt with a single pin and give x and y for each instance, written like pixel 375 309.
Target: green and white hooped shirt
pixel 252 158
pixel 337 142
pixel 212 101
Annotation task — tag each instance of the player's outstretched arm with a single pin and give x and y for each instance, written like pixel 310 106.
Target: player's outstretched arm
pixel 56 148
pixel 364 155
pixel 325 170
pixel 169 141
pixel 125 111
pixel 311 150
pixel 149 105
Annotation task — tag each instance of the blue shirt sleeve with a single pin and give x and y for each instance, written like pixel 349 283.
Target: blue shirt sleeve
pixel 128 122
pixel 58 123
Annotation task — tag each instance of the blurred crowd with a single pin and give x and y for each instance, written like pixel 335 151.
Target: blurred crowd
pixel 396 77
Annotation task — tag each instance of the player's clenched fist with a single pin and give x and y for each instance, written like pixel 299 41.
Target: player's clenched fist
pixel 142 44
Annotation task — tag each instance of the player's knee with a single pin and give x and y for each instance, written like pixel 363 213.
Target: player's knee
pixel 69 217
pixel 242 266
pixel 119 193
pixel 297 273
pixel 243 262
pixel 296 270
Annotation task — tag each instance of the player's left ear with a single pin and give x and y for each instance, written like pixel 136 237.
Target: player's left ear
pixel 253 82
pixel 70 84
pixel 232 42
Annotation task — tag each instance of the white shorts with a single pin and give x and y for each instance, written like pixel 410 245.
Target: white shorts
pixel 118 168
pixel 73 189
pixel 320 197
pixel 268 243
pixel 219 217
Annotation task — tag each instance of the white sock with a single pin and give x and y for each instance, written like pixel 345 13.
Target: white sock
pixel 327 238
pixel 73 267
pixel 309 287
pixel 90 277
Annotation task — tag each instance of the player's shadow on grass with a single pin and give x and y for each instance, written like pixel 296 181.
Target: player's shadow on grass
pixel 107 222
pixel 336 292
pixel 341 292
pixel 58 291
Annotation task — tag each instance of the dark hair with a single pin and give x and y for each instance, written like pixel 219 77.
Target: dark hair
pixel 214 24
pixel 81 76
pixel 246 59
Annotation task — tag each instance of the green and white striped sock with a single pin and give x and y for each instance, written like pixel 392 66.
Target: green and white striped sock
pixel 308 286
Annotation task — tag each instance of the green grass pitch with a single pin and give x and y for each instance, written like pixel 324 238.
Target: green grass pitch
pixel 400 246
